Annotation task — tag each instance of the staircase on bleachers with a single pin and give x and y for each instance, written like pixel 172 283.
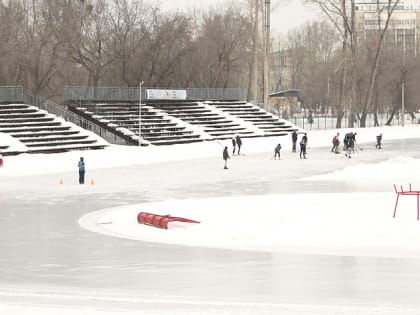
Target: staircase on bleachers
pixel 214 123
pixel 3 148
pixel 157 127
pixel 41 132
pixel 269 124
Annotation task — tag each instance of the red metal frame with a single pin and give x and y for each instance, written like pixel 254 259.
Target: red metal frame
pixel 409 192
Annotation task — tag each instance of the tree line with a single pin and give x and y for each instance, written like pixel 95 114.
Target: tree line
pixel 359 71
pixel 48 44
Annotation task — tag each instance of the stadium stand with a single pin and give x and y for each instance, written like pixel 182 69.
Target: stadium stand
pixel 174 122
pixel 157 127
pixel 216 124
pixel 174 116
pixel 41 132
pixel 269 124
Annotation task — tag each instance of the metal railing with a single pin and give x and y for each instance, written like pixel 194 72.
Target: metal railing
pixel 79 94
pixel 19 94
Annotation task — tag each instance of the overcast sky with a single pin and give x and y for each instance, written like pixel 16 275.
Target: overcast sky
pixel 286 14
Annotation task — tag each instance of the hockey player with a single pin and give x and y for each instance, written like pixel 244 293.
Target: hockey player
pixel 336 143
pixel 239 143
pixel 303 143
pixel 378 141
pixel 294 140
pixel 233 145
pixel 277 151
pixel 226 157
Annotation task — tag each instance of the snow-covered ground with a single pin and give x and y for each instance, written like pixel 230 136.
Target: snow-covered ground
pixel 309 223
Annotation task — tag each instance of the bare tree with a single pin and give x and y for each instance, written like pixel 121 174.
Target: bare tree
pixel 223 45
pixel 84 27
pixel 41 54
pixel 12 16
pixel 128 22
pixel 383 24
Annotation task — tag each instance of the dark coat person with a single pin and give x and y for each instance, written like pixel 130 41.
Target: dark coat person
pixel 81 166
pixel 226 156
pixel 294 140
pixel 239 143
pixel 378 141
pixel 277 151
pixel 303 143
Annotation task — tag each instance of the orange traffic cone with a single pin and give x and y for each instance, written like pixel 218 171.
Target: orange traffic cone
pixel 92 182
pixel 61 181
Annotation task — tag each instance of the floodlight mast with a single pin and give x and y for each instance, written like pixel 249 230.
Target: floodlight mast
pixel 140 86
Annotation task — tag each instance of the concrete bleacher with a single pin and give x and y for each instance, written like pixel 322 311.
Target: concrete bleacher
pixel 185 121
pixel 211 121
pixel 41 132
pixel 269 124
pixel 157 127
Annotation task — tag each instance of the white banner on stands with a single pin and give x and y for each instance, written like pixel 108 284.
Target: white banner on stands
pixel 166 94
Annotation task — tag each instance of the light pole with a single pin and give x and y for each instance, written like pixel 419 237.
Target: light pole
pixel 402 102
pixel 141 83
pixel 267 12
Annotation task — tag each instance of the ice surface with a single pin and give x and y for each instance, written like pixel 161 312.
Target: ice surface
pixel 293 236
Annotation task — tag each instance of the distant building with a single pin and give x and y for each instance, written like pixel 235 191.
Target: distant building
pixel 404 27
pixel 285 103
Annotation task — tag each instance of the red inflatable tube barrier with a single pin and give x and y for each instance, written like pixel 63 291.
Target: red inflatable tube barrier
pixel 160 221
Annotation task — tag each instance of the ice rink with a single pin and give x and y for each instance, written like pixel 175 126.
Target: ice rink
pixel 49 264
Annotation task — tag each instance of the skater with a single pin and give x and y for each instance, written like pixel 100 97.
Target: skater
pixel 350 146
pixel 81 166
pixel 239 143
pixel 226 157
pixel 277 151
pixel 347 138
pixel 378 141
pixel 303 143
pixel 233 145
pixel 294 140
pixel 1 160
pixel 336 143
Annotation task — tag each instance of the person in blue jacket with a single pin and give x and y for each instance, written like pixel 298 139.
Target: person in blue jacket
pixel 81 166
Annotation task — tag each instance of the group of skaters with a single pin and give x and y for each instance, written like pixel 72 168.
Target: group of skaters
pixel 236 142
pixel 303 143
pixel 349 145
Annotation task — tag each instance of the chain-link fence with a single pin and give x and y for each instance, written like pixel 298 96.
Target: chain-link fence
pixel 326 122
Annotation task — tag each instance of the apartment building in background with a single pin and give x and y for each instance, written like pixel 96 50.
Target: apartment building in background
pixel 404 27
